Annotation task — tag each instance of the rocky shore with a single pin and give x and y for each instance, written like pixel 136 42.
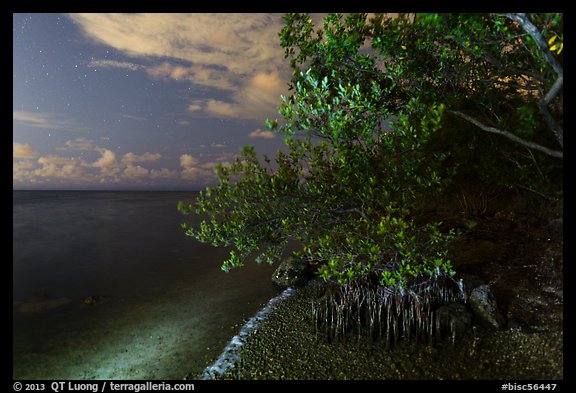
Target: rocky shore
pixel 286 346
pixel 529 289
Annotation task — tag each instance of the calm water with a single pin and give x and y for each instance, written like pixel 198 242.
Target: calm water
pixel 164 308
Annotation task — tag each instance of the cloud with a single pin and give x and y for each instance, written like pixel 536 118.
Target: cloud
pixel 130 158
pixel 59 167
pixel 236 41
pixel 125 168
pixel 256 99
pixel 163 173
pixel 31 119
pixel 218 108
pixel 80 144
pixel 200 75
pixel 21 170
pixel 107 159
pixel 197 175
pixel 262 94
pixel 45 120
pixel 137 171
pixel 267 83
pixel 213 145
pixel 193 171
pixel 262 134
pixel 21 150
pixel 197 74
pixel 238 54
pixel 46 168
pixel 196 106
pixel 187 161
pixel 114 64
pixel 132 117
pixel 29 168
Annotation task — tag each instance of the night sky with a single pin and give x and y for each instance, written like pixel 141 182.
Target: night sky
pixel 141 101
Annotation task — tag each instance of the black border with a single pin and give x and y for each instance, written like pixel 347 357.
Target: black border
pixel 320 7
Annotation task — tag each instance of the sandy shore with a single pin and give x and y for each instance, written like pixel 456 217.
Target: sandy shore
pixel 287 347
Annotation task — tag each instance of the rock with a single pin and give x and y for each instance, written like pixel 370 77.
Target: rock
pixel 93 299
pixel 292 272
pixel 453 320
pixel 485 309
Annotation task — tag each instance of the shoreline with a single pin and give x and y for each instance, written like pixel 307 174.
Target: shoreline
pixel 227 360
pixel 285 346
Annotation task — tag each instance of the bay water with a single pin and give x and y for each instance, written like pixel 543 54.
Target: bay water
pixel 106 285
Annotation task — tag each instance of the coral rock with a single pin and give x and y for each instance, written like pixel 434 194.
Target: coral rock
pixel 292 272
pixel 485 309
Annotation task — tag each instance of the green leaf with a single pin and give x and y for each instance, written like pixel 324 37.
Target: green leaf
pixel 371 141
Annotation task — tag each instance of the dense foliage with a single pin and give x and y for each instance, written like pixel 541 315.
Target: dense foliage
pixel 384 112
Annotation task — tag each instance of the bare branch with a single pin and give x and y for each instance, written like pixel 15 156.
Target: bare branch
pixel 353 210
pixel 554 90
pixel 533 31
pixel 531 145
